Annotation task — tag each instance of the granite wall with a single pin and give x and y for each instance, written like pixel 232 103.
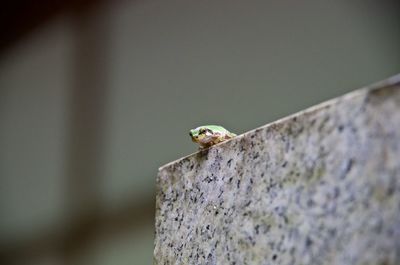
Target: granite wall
pixel 319 187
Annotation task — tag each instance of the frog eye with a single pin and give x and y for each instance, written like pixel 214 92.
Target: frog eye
pixel 205 131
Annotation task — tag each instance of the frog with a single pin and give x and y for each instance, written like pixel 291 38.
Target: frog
pixel 209 135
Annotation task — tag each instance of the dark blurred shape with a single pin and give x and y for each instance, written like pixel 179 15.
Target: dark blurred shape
pixel 85 154
pixel 21 17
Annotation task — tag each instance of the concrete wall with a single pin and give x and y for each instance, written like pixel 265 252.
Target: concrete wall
pixel 318 187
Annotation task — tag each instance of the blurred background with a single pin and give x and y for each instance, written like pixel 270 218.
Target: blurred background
pixel 96 95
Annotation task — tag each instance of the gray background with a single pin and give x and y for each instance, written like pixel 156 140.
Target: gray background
pixel 92 104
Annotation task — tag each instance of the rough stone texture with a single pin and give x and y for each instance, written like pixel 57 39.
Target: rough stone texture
pixel 318 187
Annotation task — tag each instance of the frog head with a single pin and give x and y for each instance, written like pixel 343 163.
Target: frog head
pixel 201 134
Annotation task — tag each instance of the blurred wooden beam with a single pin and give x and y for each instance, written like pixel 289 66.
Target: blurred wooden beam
pixel 81 232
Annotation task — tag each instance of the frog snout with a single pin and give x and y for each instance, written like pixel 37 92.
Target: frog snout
pixel 194 138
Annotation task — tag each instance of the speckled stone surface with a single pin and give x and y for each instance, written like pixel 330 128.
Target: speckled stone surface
pixel 318 187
